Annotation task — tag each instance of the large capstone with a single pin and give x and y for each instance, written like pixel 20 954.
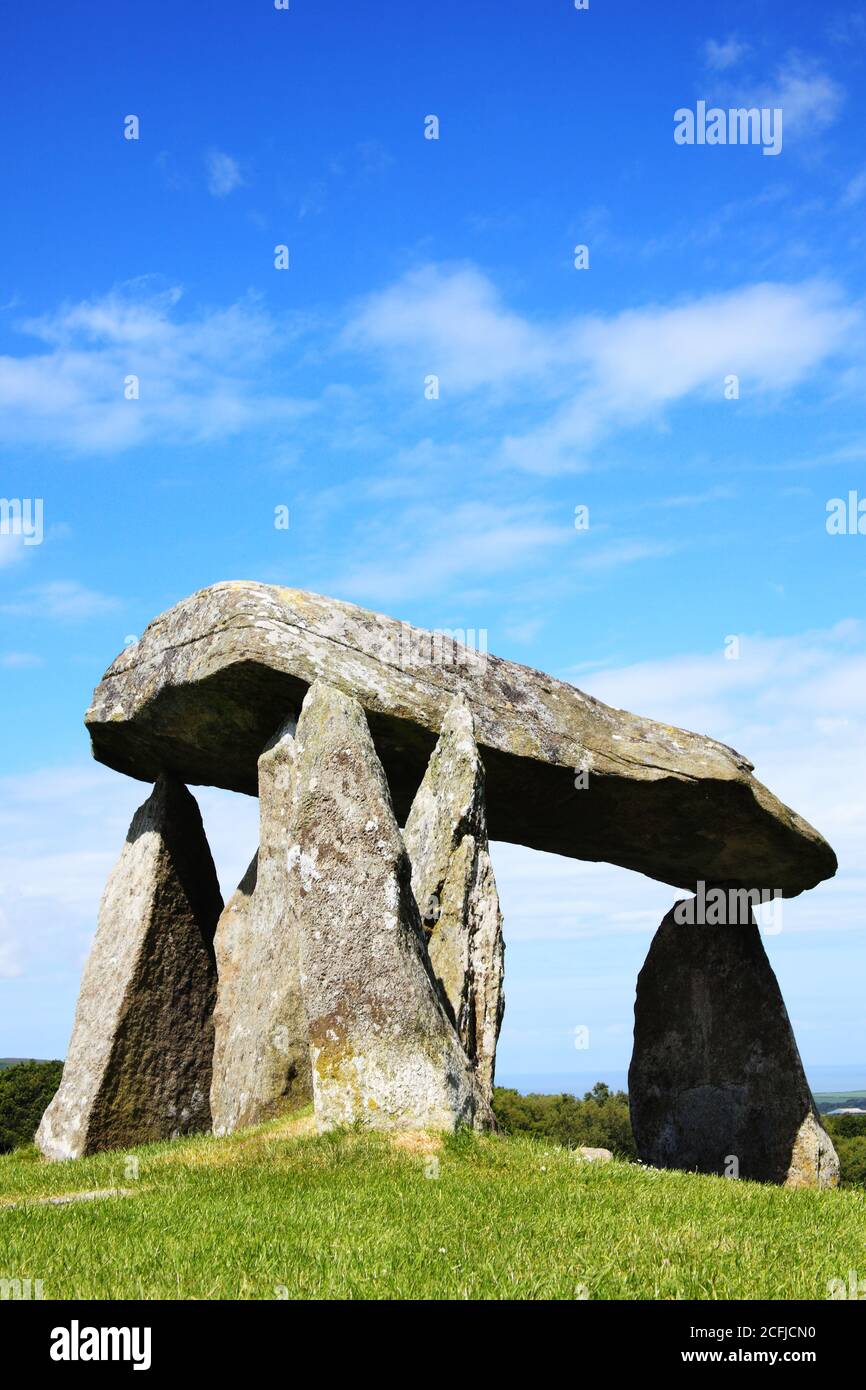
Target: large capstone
pixel 139 1062
pixel 207 683
pixel 454 886
pixel 716 1083
pixel 261 1048
pixel 384 1050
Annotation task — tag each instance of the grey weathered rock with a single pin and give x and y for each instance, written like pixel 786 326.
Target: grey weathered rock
pixel 139 1063
pixel 383 1049
pixel 715 1074
pixel 454 886
pixel 261 1047
pixel 584 1154
pixel 210 680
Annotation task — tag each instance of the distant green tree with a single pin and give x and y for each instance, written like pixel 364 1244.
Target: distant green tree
pixel 845 1126
pixel 852 1160
pixel 25 1091
pixel 599 1121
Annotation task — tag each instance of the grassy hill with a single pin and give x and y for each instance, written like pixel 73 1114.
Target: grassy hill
pixel 280 1212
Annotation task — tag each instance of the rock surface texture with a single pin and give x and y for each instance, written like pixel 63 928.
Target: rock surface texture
pixel 383 1049
pixel 139 1062
pixel 210 680
pixel 454 886
pixel 716 1082
pixel 261 1048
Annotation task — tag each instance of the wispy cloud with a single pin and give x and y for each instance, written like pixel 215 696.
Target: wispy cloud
pixel 223 173
pixel 196 378
pixel 19 661
pixel 725 53
pixel 855 190
pixel 591 375
pixel 62 599
pixel 809 97
pixel 428 554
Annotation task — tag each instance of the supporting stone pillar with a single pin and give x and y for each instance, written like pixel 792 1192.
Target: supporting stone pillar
pixel 716 1082
pixel 261 1047
pixel 453 882
pixel 139 1063
pixel 383 1049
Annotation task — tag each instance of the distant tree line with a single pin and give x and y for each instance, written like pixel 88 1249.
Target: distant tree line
pixel 599 1121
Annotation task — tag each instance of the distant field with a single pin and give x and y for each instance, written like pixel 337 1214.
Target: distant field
pixel 833 1100
pixel 280 1212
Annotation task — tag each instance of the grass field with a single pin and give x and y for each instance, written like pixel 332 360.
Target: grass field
pixel 279 1212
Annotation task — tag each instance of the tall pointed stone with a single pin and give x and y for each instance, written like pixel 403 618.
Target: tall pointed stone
pixel 139 1063
pixel 716 1082
pixel 261 1047
pixel 384 1051
pixel 453 882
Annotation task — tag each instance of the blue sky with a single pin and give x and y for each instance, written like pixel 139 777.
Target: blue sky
pixel 558 387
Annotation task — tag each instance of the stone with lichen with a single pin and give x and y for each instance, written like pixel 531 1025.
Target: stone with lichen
pixel 261 1049
pixel 453 882
pixel 383 1049
pixel 139 1062
pixel 716 1083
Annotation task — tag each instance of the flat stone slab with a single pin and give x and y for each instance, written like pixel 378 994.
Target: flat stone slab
pixel 204 688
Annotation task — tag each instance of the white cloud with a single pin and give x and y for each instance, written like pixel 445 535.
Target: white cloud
pixel 451 322
pixel 591 375
pixel 19 661
pixel 809 97
pixel 726 53
pixel 429 550
pixel 223 173
pixel 199 377
pixel 855 190
pixel 12 548
pixel 63 599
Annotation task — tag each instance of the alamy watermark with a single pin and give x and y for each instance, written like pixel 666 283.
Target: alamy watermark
pixel 730 907
pixel 453 648
pixel 846 516
pixel 22 516
pixel 737 126
pixel 21 1290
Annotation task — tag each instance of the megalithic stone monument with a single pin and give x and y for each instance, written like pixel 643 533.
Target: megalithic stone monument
pixel 197 699
pixel 139 1063
pixel 204 688
pixel 261 1050
pixel 454 886
pixel 716 1083
pixel 384 1051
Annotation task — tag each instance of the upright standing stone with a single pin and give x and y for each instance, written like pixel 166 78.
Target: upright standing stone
pixel 716 1082
pixel 261 1048
pixel 383 1049
pixel 139 1063
pixel 453 882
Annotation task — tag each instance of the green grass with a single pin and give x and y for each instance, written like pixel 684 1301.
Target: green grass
pixel 349 1215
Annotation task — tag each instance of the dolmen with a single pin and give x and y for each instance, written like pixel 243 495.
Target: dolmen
pixel 359 965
